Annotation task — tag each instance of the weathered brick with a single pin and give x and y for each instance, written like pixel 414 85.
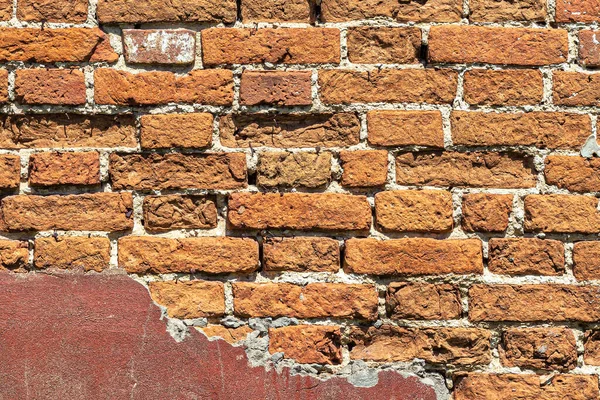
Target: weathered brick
pixel 214 87
pixel 413 256
pixel 513 46
pixel 50 86
pixel 374 45
pixel 278 10
pixel 165 213
pixel 412 11
pixel 577 11
pixel 504 10
pixel 366 168
pixel 52 10
pixel 83 212
pixel 577 174
pixel 14 255
pixel 421 300
pixel 270 45
pixel 461 346
pixel 503 88
pixel 290 130
pixel 192 299
pixel 3 85
pixel 484 212
pixel 212 255
pixel 163 131
pixel 591 355
pixel 6 9
pixel 388 85
pixel 178 171
pixel 307 344
pixel 586 260
pixel 561 213
pixel 66 130
pixel 294 169
pixel 72 252
pixel 159 46
pixel 414 211
pixel 477 169
pixel 526 256
pixel 301 254
pixel 55 45
pixel 543 302
pixel 589 48
pixel 132 11
pixel 553 130
pixel 10 171
pixel 405 128
pixel 47 169
pixel 299 211
pixel 576 88
pixel 230 335
pixel 315 300
pixel 539 348
pixel 483 386
pixel 279 88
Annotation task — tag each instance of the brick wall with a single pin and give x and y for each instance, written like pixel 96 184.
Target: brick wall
pixel 354 180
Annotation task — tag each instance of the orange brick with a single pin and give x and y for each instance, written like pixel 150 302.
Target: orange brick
pixel 65 252
pixel 301 254
pixel 165 213
pixel 589 48
pixel 10 171
pixel 577 11
pixel 414 211
pixel 276 46
pixel 47 169
pixel 193 130
pixel 380 45
pixel 577 174
pixel 278 11
pixel 414 256
pixel 586 260
pixel 211 255
pixel 561 213
pixel 591 355
pixel 192 299
pixel 3 86
pixel 14 255
pixel 576 88
pixel 142 11
pixel 539 348
pixel 526 256
pixel 484 212
pixel 430 11
pixel 50 86
pixel 279 88
pixel 307 344
pixel 366 168
pixel 503 88
pixel 405 128
pixel 310 170
pixel 420 300
pixel 513 46
pixel 501 11
pixel 52 10
pixel 6 9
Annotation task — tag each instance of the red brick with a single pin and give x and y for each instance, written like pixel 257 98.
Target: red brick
pixel 47 169
pixel 591 355
pixel 513 46
pixel 586 260
pixel 66 252
pixel 165 213
pixel 405 128
pixel 191 131
pixel 589 48
pixel 577 11
pixel 6 9
pixel 542 302
pixel 430 11
pixel 3 86
pixel 366 168
pixel 421 300
pixel 55 45
pixel 280 169
pixel 576 88
pixel 503 88
pixel 214 87
pixel 307 344
pixel 553 130
pixel 526 256
pixel 211 255
pixel 561 213
pixel 389 343
pixel 278 10
pixel 577 174
pixel 301 254
pixel 142 11
pixel 50 86
pixel 414 256
pixel 414 211
pixel 388 85
pixel 477 169
pixel 504 11
pixel 484 212
pixel 290 130
pixel 539 348
pixel 299 211
pixel 315 300
pixel 279 88
pixel 374 45
pixel 159 46
pixel 83 212
pixel 52 10
pixel 480 386
pixel 178 171
pixel 14 255
pixel 270 45
pixel 192 299
pixel 10 171
pixel 67 130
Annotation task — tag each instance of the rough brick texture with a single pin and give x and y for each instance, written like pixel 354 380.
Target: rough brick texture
pixel 509 87
pixel 483 212
pixel 586 260
pixel 539 348
pixel 309 170
pixel 52 10
pixel 405 128
pixel 193 299
pixel 165 213
pixel 48 169
pixel 407 300
pixel 72 252
pixel 301 254
pixel 154 46
pixel 193 130
pixel 277 88
pixel 526 257
pixel 307 344
pixel 50 86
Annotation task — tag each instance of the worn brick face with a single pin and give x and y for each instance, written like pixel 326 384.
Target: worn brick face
pixel 591 354
pixel 50 86
pixel 159 46
pixel 132 11
pixel 503 88
pixel 52 10
pixel 365 168
pixel 276 88
pixel 419 300
pixel 10 171
pixel 589 48
pixel 192 130
pixel 577 11
pixel 577 174
pixel 561 213
pixel 192 299
pixel 501 11
pixel 483 212
pixel 586 260
pixel 278 11
pixel 307 344
pixel 14 255
pixel 301 254
pixel 311 170
pixel 539 348
pixel 165 213
pixel 431 11
pixel 64 252
pixel 372 45
pixel 526 256
pixel 405 128
pixel 576 89
pixel 48 169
